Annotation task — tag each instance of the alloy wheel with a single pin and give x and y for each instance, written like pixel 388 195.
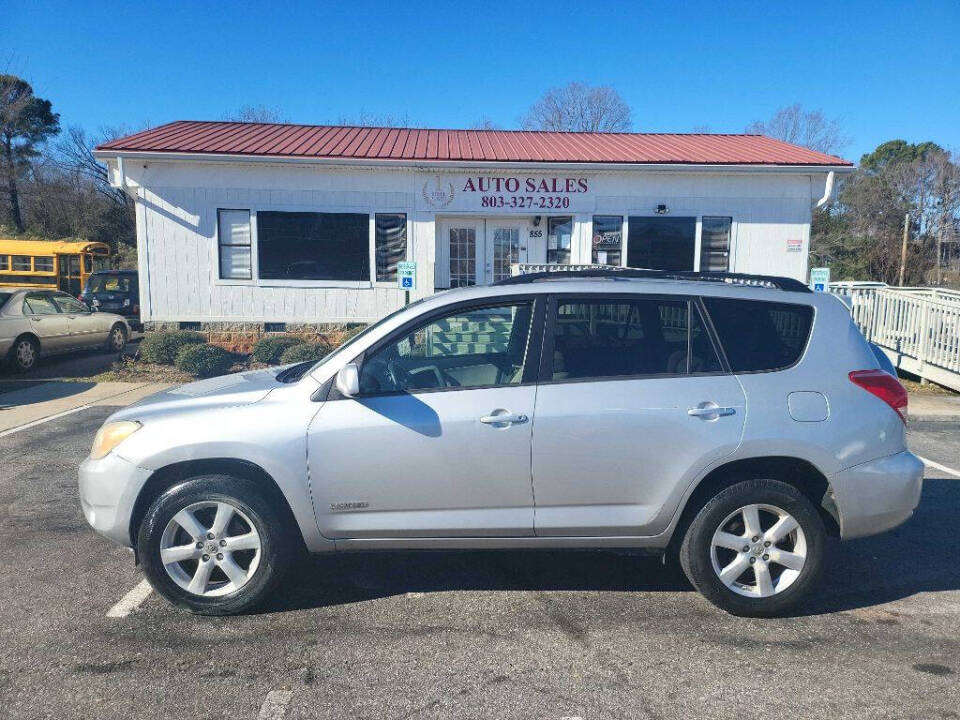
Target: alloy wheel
pixel 758 550
pixel 26 354
pixel 210 548
pixel 117 339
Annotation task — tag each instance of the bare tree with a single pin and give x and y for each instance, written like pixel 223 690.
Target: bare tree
pixel 257 114
pixel 809 128
pixel 367 119
pixel 579 108
pixel 484 123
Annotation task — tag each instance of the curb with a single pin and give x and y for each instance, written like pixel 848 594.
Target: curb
pixel 932 419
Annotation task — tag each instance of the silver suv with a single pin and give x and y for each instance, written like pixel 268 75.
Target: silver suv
pixel 735 422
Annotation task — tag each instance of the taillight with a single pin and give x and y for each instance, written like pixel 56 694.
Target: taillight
pixel 885 386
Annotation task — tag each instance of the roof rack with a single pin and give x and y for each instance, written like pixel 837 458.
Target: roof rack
pixel 614 273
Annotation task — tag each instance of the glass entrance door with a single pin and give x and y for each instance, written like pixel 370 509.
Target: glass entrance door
pixel 503 249
pixel 465 256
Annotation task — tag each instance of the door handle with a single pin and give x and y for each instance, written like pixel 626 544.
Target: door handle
pixel 502 418
pixel 710 411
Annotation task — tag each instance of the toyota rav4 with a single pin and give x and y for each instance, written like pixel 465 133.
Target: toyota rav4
pixel 736 423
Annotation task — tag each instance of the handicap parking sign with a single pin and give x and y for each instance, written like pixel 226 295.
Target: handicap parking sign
pixel 407 275
pixel 819 279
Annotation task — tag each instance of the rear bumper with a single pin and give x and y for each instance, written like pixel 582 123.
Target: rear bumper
pixel 877 496
pixel 108 490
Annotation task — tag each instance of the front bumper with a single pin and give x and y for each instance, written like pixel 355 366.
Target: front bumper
pixel 878 495
pixel 108 490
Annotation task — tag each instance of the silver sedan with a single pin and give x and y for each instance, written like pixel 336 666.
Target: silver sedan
pixel 34 323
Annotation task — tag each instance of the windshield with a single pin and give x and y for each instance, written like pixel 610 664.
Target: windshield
pixel 109 283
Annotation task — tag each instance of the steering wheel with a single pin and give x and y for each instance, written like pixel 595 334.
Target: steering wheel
pixel 398 375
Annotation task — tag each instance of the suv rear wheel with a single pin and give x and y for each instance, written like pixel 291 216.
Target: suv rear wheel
pixel 755 549
pixel 215 545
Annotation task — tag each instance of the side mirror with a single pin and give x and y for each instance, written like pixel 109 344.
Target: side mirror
pixel 348 380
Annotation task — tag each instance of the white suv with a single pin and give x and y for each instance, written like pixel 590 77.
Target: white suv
pixel 735 421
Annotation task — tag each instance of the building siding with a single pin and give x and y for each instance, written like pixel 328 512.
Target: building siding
pixel 177 202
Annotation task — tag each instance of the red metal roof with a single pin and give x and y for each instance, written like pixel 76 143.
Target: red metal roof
pixel 425 145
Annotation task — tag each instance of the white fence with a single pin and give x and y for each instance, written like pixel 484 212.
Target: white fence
pixel 919 328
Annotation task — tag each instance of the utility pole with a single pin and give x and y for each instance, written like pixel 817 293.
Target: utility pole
pixel 903 247
pixel 943 225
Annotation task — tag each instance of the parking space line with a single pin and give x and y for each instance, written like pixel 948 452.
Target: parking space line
pixel 42 420
pixel 941 468
pixel 275 705
pixel 131 601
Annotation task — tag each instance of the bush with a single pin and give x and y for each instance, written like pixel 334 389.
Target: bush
pixel 305 352
pixel 163 347
pixel 355 330
pixel 270 348
pixel 204 360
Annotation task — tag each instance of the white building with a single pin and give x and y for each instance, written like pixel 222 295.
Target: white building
pixel 260 223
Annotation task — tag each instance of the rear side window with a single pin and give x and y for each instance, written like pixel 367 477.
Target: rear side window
pixel 606 338
pixel 758 335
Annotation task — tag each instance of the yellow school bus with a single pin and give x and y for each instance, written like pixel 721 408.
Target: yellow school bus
pixel 51 264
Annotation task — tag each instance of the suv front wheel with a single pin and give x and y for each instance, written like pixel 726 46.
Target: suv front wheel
pixel 755 549
pixel 214 545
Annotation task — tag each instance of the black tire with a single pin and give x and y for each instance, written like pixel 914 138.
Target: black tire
pixel 277 545
pixel 696 550
pixel 24 354
pixel 117 339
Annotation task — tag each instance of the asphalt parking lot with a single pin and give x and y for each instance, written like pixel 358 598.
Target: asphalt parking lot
pixel 485 635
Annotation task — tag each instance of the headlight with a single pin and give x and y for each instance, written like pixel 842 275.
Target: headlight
pixel 111 435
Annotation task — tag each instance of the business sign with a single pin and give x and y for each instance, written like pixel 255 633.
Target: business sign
pixel 533 194
pixel 407 275
pixel 819 279
pixel 794 245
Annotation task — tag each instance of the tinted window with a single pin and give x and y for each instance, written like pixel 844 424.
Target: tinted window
pixel 468 348
pixel 313 246
pixel 758 335
pixel 661 243
pixel 612 338
pixel 39 304
pixel 390 244
pixel 233 236
pixel 715 244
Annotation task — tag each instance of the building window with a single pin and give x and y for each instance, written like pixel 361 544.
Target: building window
pixel 463 257
pixel 559 233
pixel 661 243
pixel 313 246
pixel 43 264
pixel 22 263
pixel 715 244
pixel 607 240
pixel 233 234
pixel 390 244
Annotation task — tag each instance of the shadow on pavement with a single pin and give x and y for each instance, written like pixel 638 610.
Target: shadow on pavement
pixel 28 392
pixel 922 555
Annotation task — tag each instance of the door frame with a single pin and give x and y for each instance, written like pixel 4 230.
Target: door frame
pixel 484 225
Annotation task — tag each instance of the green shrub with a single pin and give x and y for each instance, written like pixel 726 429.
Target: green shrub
pixel 305 352
pixel 204 360
pixel 354 330
pixel 163 347
pixel 270 348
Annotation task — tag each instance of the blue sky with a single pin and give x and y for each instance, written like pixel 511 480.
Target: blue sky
pixel 886 69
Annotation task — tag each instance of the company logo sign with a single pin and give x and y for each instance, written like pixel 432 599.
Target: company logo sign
pixel 438 194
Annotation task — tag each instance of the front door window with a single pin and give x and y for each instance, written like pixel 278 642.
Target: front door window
pixel 463 256
pixel 504 245
pixel 559 234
